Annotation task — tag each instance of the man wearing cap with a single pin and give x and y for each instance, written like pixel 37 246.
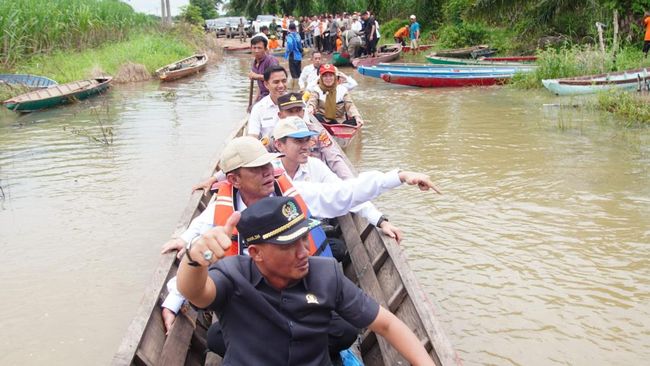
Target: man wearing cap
pixel 264 113
pixel 292 138
pixel 261 61
pixel 414 33
pixel 275 305
pixel 293 53
pixel 310 72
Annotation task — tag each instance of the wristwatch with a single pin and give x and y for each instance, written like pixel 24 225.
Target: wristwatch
pixel 381 220
pixel 190 261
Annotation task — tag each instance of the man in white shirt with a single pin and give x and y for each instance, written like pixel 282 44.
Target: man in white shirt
pixel 309 73
pixel 264 114
pixel 315 27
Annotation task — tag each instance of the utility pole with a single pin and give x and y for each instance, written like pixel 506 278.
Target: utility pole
pixel 163 8
pixel 169 13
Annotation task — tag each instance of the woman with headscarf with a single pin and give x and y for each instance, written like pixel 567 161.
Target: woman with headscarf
pixel 331 102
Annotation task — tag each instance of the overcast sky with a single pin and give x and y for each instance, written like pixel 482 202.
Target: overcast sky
pixel 153 6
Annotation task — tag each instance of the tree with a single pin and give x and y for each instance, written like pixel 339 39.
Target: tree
pixel 208 8
pixel 191 14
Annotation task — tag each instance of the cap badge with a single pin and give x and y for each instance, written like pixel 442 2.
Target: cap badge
pixel 293 98
pixel 311 299
pixel 290 211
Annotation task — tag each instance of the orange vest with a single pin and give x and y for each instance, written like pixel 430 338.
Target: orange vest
pixel 224 207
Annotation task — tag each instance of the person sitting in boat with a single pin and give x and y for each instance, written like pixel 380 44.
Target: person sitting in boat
pixel 264 113
pixel 309 73
pixel 250 177
pixel 342 79
pixel 245 290
pixel 330 102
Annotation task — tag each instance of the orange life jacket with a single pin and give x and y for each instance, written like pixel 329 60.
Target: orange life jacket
pixel 224 207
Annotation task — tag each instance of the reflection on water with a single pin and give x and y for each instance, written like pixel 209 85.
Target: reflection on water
pixel 82 223
pixel 537 253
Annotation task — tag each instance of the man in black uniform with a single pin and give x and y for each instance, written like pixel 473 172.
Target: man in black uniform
pixel 275 305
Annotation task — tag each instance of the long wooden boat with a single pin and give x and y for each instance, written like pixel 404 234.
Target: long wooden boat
pixel 343 134
pixel 458 70
pixel 182 68
pixel 437 60
pixel 30 81
pixel 420 48
pixel 58 94
pixel 378 266
pixel 237 49
pixel 510 59
pixel 638 79
pixel 443 81
pixel 461 52
pixel 386 54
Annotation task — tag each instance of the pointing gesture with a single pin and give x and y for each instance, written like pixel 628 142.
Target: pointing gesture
pixel 422 180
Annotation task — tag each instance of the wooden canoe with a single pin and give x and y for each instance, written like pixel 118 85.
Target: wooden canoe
pixel 461 52
pixel 237 49
pixel 58 94
pixel 457 70
pixel 343 134
pixel 388 54
pixel 423 47
pixel 437 60
pixel 510 59
pixel 30 81
pixel 182 68
pixel 378 265
pixel 637 79
pixel 340 59
pixel 443 81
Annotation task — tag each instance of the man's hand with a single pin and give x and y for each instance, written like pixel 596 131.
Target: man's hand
pixel 216 240
pixel 422 180
pixel 168 319
pixel 204 185
pixel 391 230
pixel 174 244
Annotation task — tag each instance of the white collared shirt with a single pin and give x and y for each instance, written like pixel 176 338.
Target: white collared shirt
pixel 307 77
pixel 263 118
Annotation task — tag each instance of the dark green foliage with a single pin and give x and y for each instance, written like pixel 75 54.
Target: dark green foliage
pixel 191 14
pixel 389 28
pixel 464 34
pixel 207 7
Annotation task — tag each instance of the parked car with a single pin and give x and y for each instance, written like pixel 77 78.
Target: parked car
pixel 266 20
pixel 217 25
pixel 234 26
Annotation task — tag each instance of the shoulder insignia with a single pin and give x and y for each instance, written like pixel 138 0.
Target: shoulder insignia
pixel 324 139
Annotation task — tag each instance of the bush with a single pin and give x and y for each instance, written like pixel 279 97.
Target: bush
pixel 389 28
pixel 464 34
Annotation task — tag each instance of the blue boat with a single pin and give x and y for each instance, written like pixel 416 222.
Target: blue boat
pixel 30 81
pixel 421 70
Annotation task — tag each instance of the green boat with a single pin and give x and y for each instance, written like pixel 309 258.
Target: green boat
pixel 57 95
pixel 439 60
pixel 340 60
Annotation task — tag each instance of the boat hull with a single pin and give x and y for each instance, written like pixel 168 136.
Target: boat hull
pixel 339 59
pixel 461 52
pixel 182 68
pixel 638 79
pixel 377 71
pixel 382 57
pixel 445 81
pixel 342 133
pixel 437 60
pixel 30 81
pixel 49 97
pixel 423 47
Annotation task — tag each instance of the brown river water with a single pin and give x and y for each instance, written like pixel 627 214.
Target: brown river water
pixel 537 253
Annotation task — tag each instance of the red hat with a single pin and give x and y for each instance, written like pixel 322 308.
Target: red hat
pixel 325 68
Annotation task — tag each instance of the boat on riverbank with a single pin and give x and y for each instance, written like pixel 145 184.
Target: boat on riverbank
pixel 377 264
pixel 420 48
pixel 237 49
pixel 638 79
pixel 459 70
pixel 386 53
pixel 438 60
pixel 182 68
pixel 30 81
pixel 340 59
pixel 510 59
pixel 461 52
pixel 58 94
pixel 445 81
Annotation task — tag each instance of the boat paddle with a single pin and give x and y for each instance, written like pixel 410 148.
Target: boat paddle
pixel 250 96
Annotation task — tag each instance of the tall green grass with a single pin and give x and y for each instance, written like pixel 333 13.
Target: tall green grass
pixel 631 107
pixel 32 27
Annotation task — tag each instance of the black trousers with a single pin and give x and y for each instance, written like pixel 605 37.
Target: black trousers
pixel 341 335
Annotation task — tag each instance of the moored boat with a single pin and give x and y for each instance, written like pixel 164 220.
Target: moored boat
pixel 182 68
pixel 387 53
pixel 438 60
pixel 377 264
pixel 58 94
pixel 237 49
pixel 444 81
pixel 510 59
pixel 30 81
pixel 461 52
pixel 423 47
pixel 638 79
pixel 376 71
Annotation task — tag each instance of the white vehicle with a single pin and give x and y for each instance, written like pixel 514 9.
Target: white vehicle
pixel 266 20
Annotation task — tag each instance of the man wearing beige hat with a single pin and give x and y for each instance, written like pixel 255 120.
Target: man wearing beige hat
pixel 292 138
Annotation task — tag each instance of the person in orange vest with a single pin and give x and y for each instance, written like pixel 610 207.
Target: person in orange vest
pixel 401 35
pixel 646 39
pixel 273 42
pixel 245 291
pixel 285 29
